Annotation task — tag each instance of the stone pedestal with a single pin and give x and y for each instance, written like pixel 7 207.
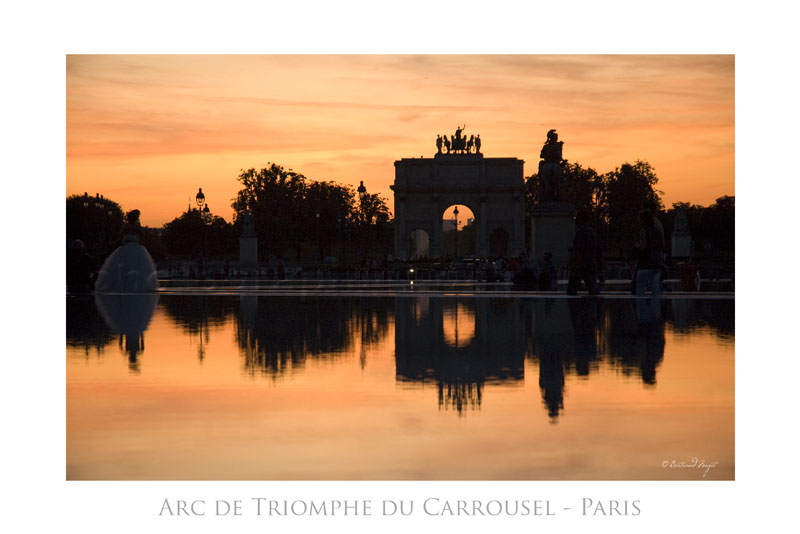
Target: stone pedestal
pixel 681 245
pixel 248 251
pixel 552 230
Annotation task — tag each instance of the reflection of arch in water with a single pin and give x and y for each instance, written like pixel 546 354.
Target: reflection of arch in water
pixel 458 324
pixel 129 315
pixel 495 355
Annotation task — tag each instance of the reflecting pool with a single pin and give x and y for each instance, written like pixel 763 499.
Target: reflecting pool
pixel 263 386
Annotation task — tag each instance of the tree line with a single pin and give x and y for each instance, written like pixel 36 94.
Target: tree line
pixel 613 201
pixel 309 221
pixel 295 219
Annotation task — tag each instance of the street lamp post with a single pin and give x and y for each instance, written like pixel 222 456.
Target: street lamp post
pixel 319 239
pixel 455 213
pixel 362 195
pixel 200 198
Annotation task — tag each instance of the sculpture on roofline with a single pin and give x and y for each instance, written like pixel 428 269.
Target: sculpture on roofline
pixel 551 168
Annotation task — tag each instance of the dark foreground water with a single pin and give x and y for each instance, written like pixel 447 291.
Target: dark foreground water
pixel 350 387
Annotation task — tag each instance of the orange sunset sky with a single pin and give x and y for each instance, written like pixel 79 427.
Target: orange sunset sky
pixel 147 131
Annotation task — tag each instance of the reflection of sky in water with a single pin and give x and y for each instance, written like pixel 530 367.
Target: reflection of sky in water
pixel 397 388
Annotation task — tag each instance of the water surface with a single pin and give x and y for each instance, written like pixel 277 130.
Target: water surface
pixel 434 387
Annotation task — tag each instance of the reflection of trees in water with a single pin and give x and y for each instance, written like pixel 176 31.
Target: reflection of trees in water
pixel 195 313
pixel 577 335
pixel 689 315
pixel 130 315
pixel 371 317
pixel 85 327
pixel 425 350
pixel 96 321
pixel 634 336
pixel 277 334
pixel 552 343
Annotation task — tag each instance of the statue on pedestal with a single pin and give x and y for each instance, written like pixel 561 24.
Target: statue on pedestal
pixel 681 222
pixel 551 168
pixel 681 238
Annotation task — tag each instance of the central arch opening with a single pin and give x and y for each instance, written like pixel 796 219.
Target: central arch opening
pixel 458 232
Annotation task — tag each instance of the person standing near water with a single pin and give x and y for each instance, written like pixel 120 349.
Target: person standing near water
pixel 584 256
pixel 650 251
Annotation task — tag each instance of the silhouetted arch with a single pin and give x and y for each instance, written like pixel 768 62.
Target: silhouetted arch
pixel 492 188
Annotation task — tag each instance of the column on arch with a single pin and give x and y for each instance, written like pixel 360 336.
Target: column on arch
pixel 401 232
pixel 436 238
pixel 483 239
pixel 518 238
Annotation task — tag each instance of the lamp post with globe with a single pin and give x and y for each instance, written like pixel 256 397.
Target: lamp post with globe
pixel 455 214
pixel 202 207
pixel 362 196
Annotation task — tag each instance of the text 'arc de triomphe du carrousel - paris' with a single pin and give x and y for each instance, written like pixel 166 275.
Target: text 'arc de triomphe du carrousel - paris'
pixel 492 188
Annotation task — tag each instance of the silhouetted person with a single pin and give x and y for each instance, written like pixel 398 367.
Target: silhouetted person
pixel 652 207
pixel 80 269
pixel 447 144
pixel 438 144
pixel 478 144
pixel 584 256
pixel 650 255
pixel 528 275
pixel 689 276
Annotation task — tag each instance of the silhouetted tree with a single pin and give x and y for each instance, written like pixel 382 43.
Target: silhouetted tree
pixel 292 213
pixel 714 224
pixel 186 235
pixel 275 196
pixel 97 221
pixel 625 191
pixel 151 240
pixel 582 187
pixel 613 200
pixel 329 208
pixel 373 227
